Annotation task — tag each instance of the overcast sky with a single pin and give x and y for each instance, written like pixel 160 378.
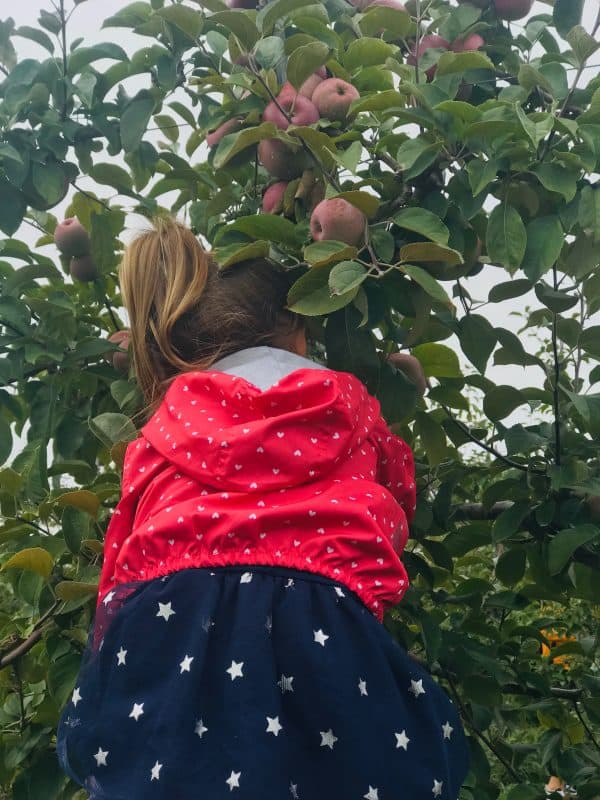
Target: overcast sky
pixel 86 22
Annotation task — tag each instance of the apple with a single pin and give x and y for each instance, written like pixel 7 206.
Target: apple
pixel 272 202
pixel 411 367
pixel 214 137
pixel 471 42
pixel 333 97
pixel 120 358
pixel 512 9
pixel 71 238
pixel 83 268
pixel 298 108
pixel 241 3
pixel 280 160
pixel 337 219
pixel 428 42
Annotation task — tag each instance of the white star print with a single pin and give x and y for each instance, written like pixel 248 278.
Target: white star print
pixel 416 687
pixel 402 740
pixel 273 725
pixel 76 696
pixel 100 757
pixel 200 729
pixel 185 664
pixel 165 611
pixel 137 711
pixel 339 592
pixel 362 687
pixel 447 729
pixel 108 598
pixel 155 772
pixel 294 791
pixel 121 657
pixel 372 794
pixel 235 670
pixel 246 577
pixel 233 780
pixel 328 739
pixel 285 684
pixel 320 637
pixel 437 788
pixel 269 624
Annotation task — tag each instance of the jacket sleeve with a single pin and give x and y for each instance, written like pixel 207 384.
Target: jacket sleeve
pixel 396 468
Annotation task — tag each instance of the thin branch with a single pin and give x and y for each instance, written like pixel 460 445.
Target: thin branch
pixel 109 308
pixel 586 727
pixel 33 525
pixel 4 71
pixel 33 638
pixel 477 511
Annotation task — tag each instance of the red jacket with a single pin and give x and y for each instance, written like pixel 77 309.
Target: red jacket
pixel 304 474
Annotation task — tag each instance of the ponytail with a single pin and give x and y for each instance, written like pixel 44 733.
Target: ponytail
pixel 185 314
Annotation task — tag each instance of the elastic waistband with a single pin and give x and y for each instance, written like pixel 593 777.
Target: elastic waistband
pixel 276 572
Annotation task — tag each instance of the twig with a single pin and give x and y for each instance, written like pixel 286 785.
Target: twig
pixel 555 388
pixel 488 743
pixel 34 637
pixel 477 511
pixel 4 71
pixel 586 727
pixel 33 525
pixel 109 308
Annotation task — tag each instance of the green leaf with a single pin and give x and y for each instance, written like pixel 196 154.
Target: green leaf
pixel 392 20
pixel 566 14
pixel 240 25
pixel 500 401
pixel 415 155
pixel 62 675
pixel 279 10
pixel 506 236
pixel 346 276
pixel 367 203
pixel 325 253
pixel 186 19
pixel 433 438
pixel 35 35
pixel 83 56
pixel 304 61
pixel 82 499
pixel 537 126
pixel 451 63
pixel 75 527
pixel 236 253
pixel 6 441
pixel 530 78
pixel 32 559
pixel 14 316
pixel 481 174
pixel 267 226
pixel 556 300
pixel 582 43
pixel 437 360
pixel 429 251
pixel 367 52
pixel 427 282
pixel 589 212
pixel 75 590
pixel 562 546
pixel 269 52
pixel 559 179
pixel 510 567
pixel 111 428
pixel 589 341
pixel 509 522
pixel 311 295
pixel 477 339
pixel 112 175
pixel 134 120
pixel 235 143
pixel 508 290
pixel 424 222
pixel 545 239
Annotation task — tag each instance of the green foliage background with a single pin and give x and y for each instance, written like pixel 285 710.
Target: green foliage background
pixel 499 154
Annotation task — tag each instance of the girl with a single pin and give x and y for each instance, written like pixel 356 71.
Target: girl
pixel 238 648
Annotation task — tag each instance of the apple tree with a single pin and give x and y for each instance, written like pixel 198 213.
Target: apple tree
pixel 428 172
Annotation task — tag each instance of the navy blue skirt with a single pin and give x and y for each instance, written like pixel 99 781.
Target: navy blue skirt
pixel 254 683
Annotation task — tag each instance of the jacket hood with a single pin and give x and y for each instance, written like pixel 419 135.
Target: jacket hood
pixel 226 432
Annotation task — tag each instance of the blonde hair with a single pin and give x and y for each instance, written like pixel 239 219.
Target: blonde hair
pixel 185 313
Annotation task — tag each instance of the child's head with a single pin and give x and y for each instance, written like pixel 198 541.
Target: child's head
pixel 185 313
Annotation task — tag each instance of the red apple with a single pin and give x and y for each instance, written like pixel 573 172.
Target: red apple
pixel 214 137
pixel 471 42
pixel 298 108
pixel 428 42
pixel 83 268
pixel 337 219
pixel 411 367
pixel 512 9
pixel 120 358
pixel 71 238
pixel 333 97
pixel 280 160
pixel 310 84
pixel 361 4
pixel 272 202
